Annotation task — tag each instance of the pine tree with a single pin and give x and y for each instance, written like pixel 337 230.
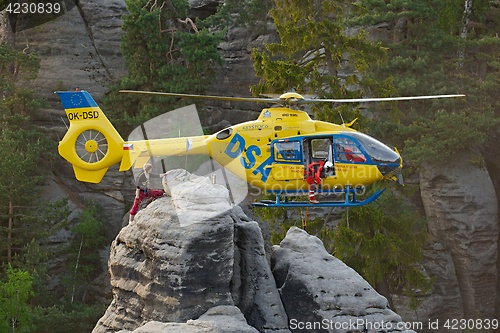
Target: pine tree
pixel 23 149
pixel 16 185
pixel 164 50
pixel 317 54
pixel 25 218
pixel 251 14
pixel 440 47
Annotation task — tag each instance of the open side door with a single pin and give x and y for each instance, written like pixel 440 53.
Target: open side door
pixel 319 149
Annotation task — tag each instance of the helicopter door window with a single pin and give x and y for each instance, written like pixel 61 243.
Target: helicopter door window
pixel 347 150
pixel 287 151
pixel 321 149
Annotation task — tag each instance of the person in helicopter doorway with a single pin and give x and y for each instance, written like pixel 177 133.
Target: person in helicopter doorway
pixel 143 189
pixel 313 177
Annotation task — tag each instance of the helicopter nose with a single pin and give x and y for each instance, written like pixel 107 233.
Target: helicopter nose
pixel 393 170
pixel 387 169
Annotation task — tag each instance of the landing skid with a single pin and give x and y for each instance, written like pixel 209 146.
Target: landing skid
pixel 350 200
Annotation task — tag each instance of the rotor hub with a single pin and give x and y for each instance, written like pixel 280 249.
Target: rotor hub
pixel 291 98
pixel 91 146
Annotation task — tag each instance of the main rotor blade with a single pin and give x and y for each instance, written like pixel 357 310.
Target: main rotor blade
pixel 217 98
pixel 377 99
pixel 290 98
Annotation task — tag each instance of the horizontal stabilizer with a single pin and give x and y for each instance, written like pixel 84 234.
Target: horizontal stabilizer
pixel 89 176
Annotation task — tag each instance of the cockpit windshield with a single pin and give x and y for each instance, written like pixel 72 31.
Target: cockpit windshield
pixel 352 147
pixel 378 151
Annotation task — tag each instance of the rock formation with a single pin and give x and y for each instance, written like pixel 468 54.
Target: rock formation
pixel 317 287
pixel 461 205
pixel 80 48
pixel 210 273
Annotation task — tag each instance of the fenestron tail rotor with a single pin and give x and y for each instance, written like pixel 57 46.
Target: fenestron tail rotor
pixel 91 146
pixel 291 98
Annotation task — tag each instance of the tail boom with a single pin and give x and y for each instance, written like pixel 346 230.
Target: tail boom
pixel 137 153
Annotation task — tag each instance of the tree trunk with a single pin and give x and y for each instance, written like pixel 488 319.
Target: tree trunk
pixel 465 28
pixel 76 270
pixel 383 289
pixel 9 231
pixel 466 18
pixel 329 62
pixel 7 35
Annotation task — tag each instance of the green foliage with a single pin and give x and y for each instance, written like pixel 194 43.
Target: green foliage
pixel 33 259
pixel 24 151
pixel 15 293
pixel 3 4
pixel 49 314
pixel 163 52
pixel 384 242
pixel 433 51
pixel 77 318
pixel 26 220
pixel 282 219
pixel 313 47
pixel 47 219
pixel 437 139
pixel 90 225
pixel 84 261
pixel 318 54
pixel 234 13
pixel 278 219
pixel 17 67
pixel 21 172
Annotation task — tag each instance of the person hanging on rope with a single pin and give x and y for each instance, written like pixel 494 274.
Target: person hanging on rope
pixel 143 189
pixel 313 177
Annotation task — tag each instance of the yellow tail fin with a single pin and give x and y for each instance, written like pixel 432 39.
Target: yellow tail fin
pixel 91 144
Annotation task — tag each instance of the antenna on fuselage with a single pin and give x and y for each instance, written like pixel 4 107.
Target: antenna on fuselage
pixel 342 118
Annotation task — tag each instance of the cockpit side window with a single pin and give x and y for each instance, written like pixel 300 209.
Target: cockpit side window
pixel 347 150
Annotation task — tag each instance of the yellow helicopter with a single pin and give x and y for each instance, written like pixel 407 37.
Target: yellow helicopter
pixel 274 153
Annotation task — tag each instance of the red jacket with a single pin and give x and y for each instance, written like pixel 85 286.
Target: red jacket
pixel 313 172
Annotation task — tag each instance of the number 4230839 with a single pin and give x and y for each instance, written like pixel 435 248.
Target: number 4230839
pixel 33 8
pixel 471 324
